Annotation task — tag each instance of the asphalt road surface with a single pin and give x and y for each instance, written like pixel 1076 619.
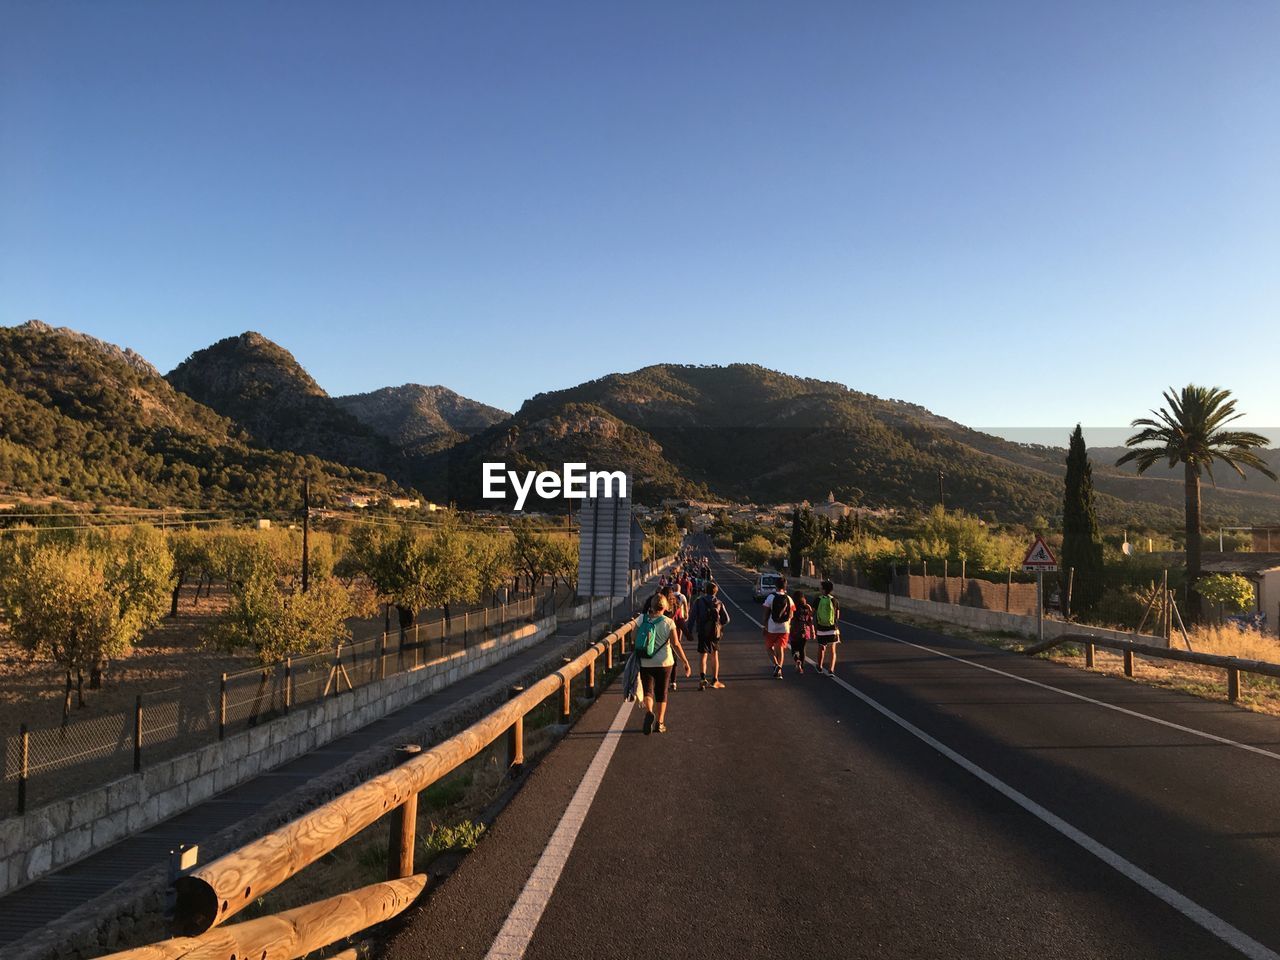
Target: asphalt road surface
pixel 935 799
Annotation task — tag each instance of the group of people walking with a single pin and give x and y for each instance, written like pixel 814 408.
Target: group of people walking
pixel 669 618
pixel 794 621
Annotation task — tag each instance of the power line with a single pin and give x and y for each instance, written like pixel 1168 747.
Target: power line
pixel 108 526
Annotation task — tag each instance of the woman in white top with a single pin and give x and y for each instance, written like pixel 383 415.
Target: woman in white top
pixel 656 671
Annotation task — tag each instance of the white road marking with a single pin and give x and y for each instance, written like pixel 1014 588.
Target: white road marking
pixel 1203 734
pixel 1202 917
pixel 1226 741
pixel 516 933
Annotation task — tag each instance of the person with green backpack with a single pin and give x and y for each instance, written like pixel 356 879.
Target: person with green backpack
pixel 826 619
pixel 657 643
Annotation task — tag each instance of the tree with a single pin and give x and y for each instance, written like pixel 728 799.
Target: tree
pixel 386 559
pixel 529 552
pixel 805 532
pixel 190 550
pixel 449 572
pixel 562 560
pixel 1230 591
pixel 1190 431
pixel 755 551
pixel 84 606
pixel 492 559
pixel 276 623
pixel 1081 541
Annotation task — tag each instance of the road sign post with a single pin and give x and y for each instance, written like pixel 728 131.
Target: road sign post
pixel 1039 560
pixel 1039 605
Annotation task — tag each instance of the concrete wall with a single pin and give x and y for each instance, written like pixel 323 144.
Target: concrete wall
pixel 62 832
pixel 977 617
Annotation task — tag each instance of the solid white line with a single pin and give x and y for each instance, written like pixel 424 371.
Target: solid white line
pixel 1226 741
pixel 1197 914
pixel 516 933
pixel 1203 734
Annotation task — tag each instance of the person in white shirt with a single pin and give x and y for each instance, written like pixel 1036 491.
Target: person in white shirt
pixel 778 611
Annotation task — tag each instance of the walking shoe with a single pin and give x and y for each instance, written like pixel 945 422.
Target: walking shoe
pixel 702 684
pixel 673 685
pixel 717 685
pixel 662 728
pixel 778 673
pixel 648 724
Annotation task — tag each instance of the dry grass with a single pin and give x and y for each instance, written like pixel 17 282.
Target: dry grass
pixel 1258 693
pixel 1228 640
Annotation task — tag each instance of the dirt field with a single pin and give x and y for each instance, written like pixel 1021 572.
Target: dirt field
pixel 174 655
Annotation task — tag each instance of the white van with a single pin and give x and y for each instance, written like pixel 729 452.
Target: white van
pixel 766 583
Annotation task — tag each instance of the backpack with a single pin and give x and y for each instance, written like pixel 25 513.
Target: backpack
pixel 780 608
pixel 826 612
pixel 647 645
pixel 710 627
pixel 802 624
pixel 680 608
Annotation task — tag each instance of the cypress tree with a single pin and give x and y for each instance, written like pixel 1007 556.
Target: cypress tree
pixel 1081 542
pixel 804 534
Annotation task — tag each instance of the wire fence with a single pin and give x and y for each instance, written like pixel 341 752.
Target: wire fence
pixel 41 766
pixel 1138 598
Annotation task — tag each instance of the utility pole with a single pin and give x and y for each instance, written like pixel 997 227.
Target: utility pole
pixel 306 534
pixel 942 497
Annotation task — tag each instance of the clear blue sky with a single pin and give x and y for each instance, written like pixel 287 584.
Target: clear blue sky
pixel 1015 213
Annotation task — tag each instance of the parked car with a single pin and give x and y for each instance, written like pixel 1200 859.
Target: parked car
pixel 765 584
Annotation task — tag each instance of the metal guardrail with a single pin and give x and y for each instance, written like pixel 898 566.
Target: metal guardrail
pixel 208 895
pixel 1235 666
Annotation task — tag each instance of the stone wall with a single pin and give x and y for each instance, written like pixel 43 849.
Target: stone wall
pixel 59 833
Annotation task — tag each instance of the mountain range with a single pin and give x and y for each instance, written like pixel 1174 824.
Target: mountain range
pixel 242 418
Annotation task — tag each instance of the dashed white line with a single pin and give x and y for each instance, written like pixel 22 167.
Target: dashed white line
pixel 521 923
pixel 1201 916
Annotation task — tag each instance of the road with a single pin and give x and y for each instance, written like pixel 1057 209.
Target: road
pixel 935 799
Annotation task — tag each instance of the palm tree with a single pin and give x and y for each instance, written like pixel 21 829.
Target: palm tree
pixel 1190 431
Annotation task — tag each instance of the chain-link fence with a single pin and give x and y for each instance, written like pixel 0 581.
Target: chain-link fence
pixel 42 765
pixel 1008 591
pixel 1132 597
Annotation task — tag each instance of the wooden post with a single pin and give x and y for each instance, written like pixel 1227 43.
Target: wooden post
pixel 566 697
pixel 1233 684
pixel 1088 656
pixel 608 652
pixel 24 766
pixel 1008 591
pixel 1071 582
pixel 1165 619
pixel 382 659
pixel 404 827
pixel 137 734
pixel 222 709
pixel 515 737
pixel 1128 663
pixel 591 680
pixel 288 684
pixel 306 534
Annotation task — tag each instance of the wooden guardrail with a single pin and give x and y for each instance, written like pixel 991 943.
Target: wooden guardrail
pixel 1234 666
pixel 210 894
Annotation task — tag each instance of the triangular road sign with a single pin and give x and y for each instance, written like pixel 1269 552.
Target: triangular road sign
pixel 1040 557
